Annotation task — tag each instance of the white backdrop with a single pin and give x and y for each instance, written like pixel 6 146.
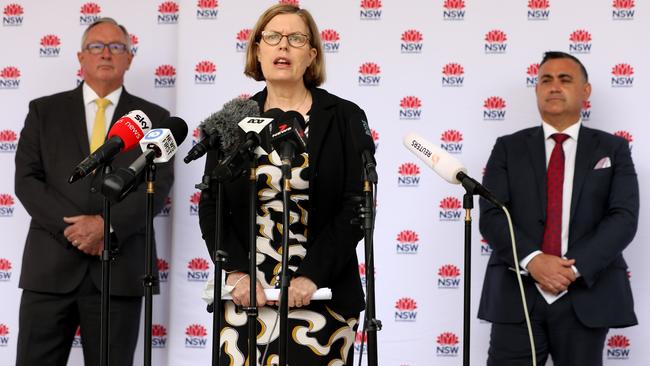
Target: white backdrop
pixel 458 72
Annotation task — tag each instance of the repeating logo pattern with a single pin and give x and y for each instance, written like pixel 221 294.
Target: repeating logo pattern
pixel 450 209
pixel 496 42
pixel 623 9
pixel 50 46
pixel 410 108
pixel 7 203
pixel 163 269
pixel 369 74
pixel 168 12
pixel 451 140
pixel 205 72
pixel 8 141
pixel 196 336
pixel 618 347
pixel 194 203
pixel 165 76
pixel 158 336
pixel 4 335
pixel 532 73
pixel 453 74
pixel 12 15
pixel 448 277
pixel 538 9
pixel 494 109
pixel 407 242
pixel 622 76
pixel 5 270
pixel 90 12
pixel 406 310
pixel 331 40
pixel 408 175
pixel 453 10
pixel 580 41
pixel 370 10
pixel 447 345
pixel 9 77
pixel 242 38
pixel 411 41
pixel 207 9
pixel 198 270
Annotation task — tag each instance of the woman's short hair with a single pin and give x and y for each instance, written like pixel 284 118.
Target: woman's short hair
pixel 315 73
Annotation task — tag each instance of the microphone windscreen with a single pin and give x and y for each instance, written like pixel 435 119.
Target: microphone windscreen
pixel 130 128
pixel 445 165
pixel 224 122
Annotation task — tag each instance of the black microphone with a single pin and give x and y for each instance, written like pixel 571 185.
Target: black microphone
pixel 124 135
pixel 252 134
pixel 364 144
pixel 158 145
pixel 288 138
pixel 221 127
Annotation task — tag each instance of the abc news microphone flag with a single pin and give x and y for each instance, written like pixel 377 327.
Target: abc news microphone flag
pixel 458 72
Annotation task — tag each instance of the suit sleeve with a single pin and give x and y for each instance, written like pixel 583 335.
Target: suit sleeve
pixel 493 223
pixel 335 247
pixel 594 252
pixel 44 203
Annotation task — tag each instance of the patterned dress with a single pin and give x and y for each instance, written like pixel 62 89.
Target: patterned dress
pixel 317 334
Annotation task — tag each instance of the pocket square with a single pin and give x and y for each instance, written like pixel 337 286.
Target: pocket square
pixel 603 163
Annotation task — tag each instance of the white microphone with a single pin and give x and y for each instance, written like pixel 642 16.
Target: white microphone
pixel 446 166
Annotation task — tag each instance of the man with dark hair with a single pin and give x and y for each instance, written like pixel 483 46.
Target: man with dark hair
pixel 61 269
pixel 573 195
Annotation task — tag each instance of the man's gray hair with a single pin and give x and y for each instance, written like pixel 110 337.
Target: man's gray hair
pixel 108 20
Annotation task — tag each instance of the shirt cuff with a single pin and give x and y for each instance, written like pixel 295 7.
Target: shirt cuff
pixel 524 262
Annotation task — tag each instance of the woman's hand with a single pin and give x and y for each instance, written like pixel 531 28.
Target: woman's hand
pixel 240 293
pixel 301 289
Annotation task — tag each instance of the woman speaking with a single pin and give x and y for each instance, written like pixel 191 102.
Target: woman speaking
pixel 285 52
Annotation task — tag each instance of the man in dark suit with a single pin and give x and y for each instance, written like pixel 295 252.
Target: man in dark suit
pixel 61 269
pixel 573 195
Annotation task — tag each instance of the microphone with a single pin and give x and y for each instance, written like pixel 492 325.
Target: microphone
pixel 220 127
pixel 288 138
pixel 158 145
pixel 365 146
pixel 256 136
pixel 446 166
pixel 123 136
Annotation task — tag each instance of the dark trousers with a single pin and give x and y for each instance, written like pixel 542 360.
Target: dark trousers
pixel 557 332
pixel 48 322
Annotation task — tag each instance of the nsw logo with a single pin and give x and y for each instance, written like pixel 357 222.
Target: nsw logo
pixel 450 140
pixel 195 336
pixel 407 242
pixel 194 203
pixel 623 10
pixel 369 74
pixel 134 43
pixel 626 135
pixel 411 41
pixel 77 342
pixel 9 78
pixel 167 208
pixel 495 42
pixel 242 39
pixel 50 46
pixel 532 73
pixel 585 113
pixel 447 345
pixel 448 277
pixel 295 3
pixel 205 72
pixel 360 337
pixel 331 40
pixel 375 138
pixel 450 209
pixel 207 9
pixel 158 336
pixel 410 108
pixel 486 248
pixel 622 76
pixel 168 13
pixel 4 335
pixel 453 10
pixel 406 310
pixel 6 205
pixel 362 273
pixel 8 141
pixel 165 76
pixel 12 15
pixel 580 41
pixel 370 10
pixel 618 347
pixel 5 270
pixel 89 13
pixel 80 76
pixel 494 109
pixel 198 270
pixel 453 74
pixel 538 9
pixel 408 175
pixel 163 269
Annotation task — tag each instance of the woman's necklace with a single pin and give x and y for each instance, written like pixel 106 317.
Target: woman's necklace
pixel 297 108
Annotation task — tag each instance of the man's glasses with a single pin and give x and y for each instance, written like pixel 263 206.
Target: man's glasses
pixel 295 39
pixel 97 48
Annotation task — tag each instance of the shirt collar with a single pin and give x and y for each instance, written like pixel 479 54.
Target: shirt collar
pixel 90 96
pixel 572 130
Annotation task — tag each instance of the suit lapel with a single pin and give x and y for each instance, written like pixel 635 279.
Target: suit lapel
pixel 123 106
pixel 320 118
pixel 537 151
pixel 587 144
pixel 78 121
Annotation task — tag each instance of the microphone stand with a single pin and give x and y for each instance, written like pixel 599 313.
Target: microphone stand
pixel 252 310
pixel 371 324
pixel 468 204
pixel 106 259
pixel 219 257
pixel 284 281
pixel 149 280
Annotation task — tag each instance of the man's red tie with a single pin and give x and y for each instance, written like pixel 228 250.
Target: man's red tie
pixel 554 182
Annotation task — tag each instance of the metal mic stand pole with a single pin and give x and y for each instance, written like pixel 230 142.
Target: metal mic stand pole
pixel 106 259
pixel 149 280
pixel 284 281
pixel 252 310
pixel 468 204
pixel 371 324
